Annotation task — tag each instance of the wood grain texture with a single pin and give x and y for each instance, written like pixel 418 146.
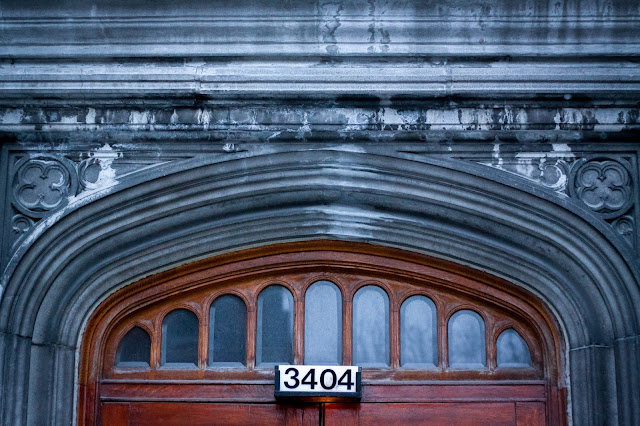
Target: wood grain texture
pixel 180 414
pixel 530 413
pixel 114 414
pixel 472 414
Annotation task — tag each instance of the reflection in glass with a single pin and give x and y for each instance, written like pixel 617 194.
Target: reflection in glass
pixel 134 348
pixel 371 327
pixel 466 340
pixel 274 336
pixel 323 324
pixel 512 350
pixel 180 338
pixel 228 331
pixel 418 347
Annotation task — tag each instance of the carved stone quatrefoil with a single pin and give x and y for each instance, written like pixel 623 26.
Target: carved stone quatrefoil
pixel 42 184
pixel 604 186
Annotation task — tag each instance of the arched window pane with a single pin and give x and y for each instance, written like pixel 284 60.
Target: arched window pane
pixel 323 324
pixel 418 333
pixel 180 338
pixel 134 348
pixel 275 326
pixel 228 331
pixel 466 340
pixel 512 350
pixel 371 327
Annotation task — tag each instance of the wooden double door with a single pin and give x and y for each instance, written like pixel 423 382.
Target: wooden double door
pixel 311 414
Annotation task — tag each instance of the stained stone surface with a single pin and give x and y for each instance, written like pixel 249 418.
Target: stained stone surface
pixel 135 136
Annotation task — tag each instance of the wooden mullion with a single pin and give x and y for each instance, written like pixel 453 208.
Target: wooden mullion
pixel 347 330
pixel 156 345
pixel 490 342
pixel 252 323
pixel 203 339
pixel 298 330
pixel 394 334
pixel 443 339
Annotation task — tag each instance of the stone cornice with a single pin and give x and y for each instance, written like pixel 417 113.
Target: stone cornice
pixel 262 78
pixel 329 30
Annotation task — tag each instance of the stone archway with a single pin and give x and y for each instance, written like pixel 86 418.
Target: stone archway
pixel 194 209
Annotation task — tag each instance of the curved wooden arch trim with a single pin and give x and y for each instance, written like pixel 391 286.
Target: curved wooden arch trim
pixel 209 300
pixel 306 285
pixel 339 257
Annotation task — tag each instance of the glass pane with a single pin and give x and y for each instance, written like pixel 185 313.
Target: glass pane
pixel 134 348
pixel 275 326
pixel 323 324
pixel 512 350
pixel 418 333
pixel 466 340
pixel 371 327
pixel 228 331
pixel 180 338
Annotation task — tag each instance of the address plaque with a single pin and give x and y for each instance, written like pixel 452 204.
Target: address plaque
pixel 318 381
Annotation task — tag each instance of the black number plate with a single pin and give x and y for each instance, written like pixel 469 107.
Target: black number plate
pixel 318 380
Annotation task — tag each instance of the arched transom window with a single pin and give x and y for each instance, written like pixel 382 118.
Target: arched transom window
pixel 323 317
pixel 225 325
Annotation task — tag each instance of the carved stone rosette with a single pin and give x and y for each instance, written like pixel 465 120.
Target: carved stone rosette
pixel 605 186
pixel 41 184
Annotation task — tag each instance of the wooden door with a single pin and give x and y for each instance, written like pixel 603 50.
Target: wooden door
pixel 437 414
pixel 208 414
pixel 328 414
pixel 469 373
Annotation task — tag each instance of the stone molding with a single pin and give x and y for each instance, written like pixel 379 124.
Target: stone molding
pixel 321 29
pixel 341 119
pixel 303 77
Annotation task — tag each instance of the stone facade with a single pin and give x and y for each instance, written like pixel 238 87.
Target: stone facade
pixel 135 138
